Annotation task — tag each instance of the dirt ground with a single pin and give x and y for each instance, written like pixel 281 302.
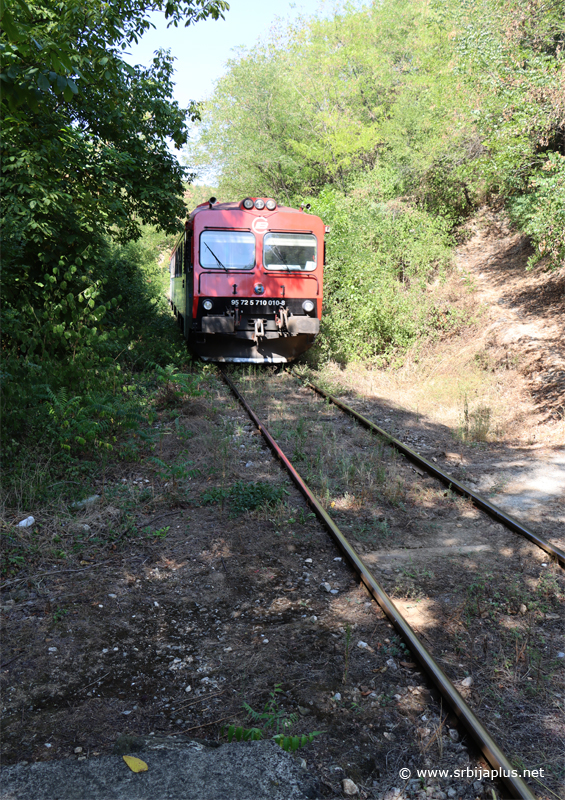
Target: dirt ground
pixel 186 601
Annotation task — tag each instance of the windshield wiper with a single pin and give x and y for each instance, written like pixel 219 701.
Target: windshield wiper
pixel 281 260
pixel 216 257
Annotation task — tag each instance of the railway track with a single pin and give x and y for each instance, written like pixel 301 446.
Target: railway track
pixel 365 569
pixel 226 593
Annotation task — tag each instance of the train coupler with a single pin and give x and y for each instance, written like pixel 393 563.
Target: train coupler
pixel 259 332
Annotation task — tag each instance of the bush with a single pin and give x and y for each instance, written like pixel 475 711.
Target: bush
pixel 381 256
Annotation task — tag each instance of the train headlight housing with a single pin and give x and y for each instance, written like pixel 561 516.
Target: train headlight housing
pixel 259 288
pixel 259 204
pixel 271 205
pixel 308 306
pixel 248 203
pixel 207 304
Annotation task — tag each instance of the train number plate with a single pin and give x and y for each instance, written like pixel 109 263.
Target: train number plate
pixel 254 302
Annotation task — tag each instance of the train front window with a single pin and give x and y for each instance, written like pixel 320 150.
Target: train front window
pixel 227 250
pixel 289 251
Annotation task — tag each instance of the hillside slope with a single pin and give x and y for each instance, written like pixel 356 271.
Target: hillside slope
pixel 488 403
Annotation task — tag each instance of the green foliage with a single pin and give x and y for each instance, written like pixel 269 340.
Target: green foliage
pixel 378 285
pixel 293 743
pixel 540 212
pixel 394 121
pixel 511 56
pixel 272 717
pixel 86 166
pixel 13 552
pixel 251 496
pixel 60 411
pixel 175 472
pixel 241 734
pixel 159 534
pixel 244 496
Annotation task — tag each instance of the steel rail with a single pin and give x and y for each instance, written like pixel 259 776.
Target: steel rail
pixel 481 737
pixel 497 513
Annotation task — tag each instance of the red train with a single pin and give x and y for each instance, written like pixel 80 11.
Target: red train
pixel 246 281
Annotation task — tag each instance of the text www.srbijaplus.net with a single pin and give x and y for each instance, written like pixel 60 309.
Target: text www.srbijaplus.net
pixel 469 772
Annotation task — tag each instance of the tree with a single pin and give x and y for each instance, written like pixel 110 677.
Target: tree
pixel 85 152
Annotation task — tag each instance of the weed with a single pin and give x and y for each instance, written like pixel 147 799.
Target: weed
pixel 59 614
pixel 181 432
pixel 304 516
pixel 272 717
pixel 246 496
pixel 241 734
pixel 173 473
pixel 174 386
pixel 301 436
pixel 160 534
pixel 13 553
pixel 474 425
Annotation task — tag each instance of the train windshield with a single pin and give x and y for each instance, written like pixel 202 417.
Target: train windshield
pixel 289 251
pixel 227 250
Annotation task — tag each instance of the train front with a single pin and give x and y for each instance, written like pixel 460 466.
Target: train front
pixel 257 281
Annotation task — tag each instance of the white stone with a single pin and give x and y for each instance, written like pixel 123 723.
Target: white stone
pixel 26 523
pixel 326 587
pixel 467 682
pixel 362 645
pixel 349 788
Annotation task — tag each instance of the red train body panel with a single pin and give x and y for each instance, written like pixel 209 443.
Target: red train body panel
pixel 247 281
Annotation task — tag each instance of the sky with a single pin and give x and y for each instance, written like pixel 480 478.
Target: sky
pixel 202 49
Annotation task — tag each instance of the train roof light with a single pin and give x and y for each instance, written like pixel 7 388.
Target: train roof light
pixel 259 204
pixel 247 203
pixel 271 205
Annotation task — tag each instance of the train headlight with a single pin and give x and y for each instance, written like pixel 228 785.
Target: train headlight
pixel 207 304
pixel 259 204
pixel 248 203
pixel 271 205
pixel 259 288
pixel 308 306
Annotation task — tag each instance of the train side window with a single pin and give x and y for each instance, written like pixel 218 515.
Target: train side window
pixel 188 253
pixel 227 250
pixel 180 249
pixel 290 251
